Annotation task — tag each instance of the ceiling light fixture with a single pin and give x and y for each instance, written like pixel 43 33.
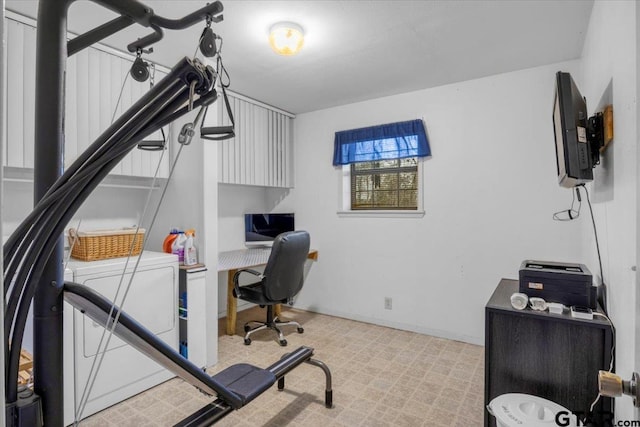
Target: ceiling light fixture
pixel 286 38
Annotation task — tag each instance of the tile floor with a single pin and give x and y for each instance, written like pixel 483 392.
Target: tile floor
pixel 381 377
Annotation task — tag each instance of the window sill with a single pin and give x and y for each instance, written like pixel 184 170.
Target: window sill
pixel 381 214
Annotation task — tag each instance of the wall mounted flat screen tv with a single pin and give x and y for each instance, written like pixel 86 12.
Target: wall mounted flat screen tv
pixel 260 229
pixel 578 136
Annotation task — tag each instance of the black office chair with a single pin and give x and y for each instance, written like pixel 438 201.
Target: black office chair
pixel 281 281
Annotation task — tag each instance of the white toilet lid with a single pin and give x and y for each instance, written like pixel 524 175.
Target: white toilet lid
pixel 525 410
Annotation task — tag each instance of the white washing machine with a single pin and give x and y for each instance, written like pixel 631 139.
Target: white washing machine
pixel 152 300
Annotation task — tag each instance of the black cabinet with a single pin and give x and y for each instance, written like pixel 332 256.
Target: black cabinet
pixel 553 356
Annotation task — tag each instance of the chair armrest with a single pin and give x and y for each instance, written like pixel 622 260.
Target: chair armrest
pixel 236 277
pixel 246 270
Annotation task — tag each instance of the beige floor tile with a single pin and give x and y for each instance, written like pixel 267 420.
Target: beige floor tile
pixel 96 421
pixel 351 417
pixel 417 409
pixel 381 377
pixel 376 420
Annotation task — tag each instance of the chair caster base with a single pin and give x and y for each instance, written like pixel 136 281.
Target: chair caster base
pixel 274 324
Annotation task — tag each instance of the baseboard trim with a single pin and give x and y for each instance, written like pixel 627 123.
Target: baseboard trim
pixel 395 325
pixel 380 322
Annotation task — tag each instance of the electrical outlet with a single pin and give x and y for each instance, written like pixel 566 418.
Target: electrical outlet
pixel 388 303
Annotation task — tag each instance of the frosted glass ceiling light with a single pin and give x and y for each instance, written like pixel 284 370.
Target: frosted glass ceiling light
pixel 286 38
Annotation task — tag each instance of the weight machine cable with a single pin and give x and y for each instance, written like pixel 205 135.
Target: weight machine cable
pixel 53 197
pixel 31 263
pixel 91 152
pixel 31 235
pixel 95 150
pixel 102 348
pixel 97 362
pixel 95 365
pixel 18 330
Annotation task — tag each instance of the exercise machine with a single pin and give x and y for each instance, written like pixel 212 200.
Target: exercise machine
pixel 33 255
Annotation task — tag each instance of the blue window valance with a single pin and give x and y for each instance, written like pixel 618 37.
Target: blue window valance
pixel 383 142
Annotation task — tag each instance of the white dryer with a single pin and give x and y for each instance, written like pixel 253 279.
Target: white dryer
pixel 152 300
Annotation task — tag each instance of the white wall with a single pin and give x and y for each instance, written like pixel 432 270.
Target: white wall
pixel 489 194
pixel 233 202
pixel 3 104
pixel 106 207
pixel 209 243
pixel 191 202
pixel 609 75
pixel 182 206
pixel 637 314
pixel 237 200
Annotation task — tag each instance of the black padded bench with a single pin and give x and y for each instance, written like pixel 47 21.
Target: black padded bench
pixel 234 386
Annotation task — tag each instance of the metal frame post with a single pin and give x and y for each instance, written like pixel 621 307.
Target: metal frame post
pixel 52 50
pixel 51 57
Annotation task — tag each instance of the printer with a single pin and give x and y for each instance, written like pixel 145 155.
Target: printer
pixel 566 283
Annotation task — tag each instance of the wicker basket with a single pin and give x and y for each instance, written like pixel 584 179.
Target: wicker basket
pixel 103 244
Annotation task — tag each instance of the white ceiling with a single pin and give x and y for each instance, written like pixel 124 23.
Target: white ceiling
pixel 359 50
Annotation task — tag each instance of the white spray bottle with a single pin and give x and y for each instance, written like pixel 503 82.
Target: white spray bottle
pixel 190 252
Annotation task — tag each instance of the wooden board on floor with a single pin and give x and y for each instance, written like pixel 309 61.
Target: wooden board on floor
pixel 25 368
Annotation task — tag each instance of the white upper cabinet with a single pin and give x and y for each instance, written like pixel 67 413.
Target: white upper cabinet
pixel 95 96
pixel 261 152
pixel 94 82
pixel 20 91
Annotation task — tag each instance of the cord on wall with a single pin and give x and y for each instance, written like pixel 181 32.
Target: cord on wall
pixel 595 231
pixel 571 213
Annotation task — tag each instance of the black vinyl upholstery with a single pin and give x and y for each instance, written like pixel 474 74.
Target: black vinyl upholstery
pixel 102 310
pixel 282 279
pixel 284 274
pixel 246 381
pixel 235 386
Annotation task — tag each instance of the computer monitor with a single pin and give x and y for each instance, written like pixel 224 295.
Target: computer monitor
pixel 260 229
pixel 578 137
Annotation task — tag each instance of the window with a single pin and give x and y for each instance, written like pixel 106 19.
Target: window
pixel 382 167
pixel 385 184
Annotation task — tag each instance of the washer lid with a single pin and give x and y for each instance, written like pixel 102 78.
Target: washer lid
pixel 116 265
pixel 517 409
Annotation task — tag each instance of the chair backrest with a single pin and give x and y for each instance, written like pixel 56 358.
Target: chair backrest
pixel 284 273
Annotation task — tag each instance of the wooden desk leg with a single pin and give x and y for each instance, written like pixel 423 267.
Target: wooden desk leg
pixel 232 304
pixel 277 310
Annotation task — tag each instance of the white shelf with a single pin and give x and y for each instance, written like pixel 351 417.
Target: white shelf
pixel 193 328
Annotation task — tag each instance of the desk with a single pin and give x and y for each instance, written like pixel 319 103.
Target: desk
pixel 231 262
